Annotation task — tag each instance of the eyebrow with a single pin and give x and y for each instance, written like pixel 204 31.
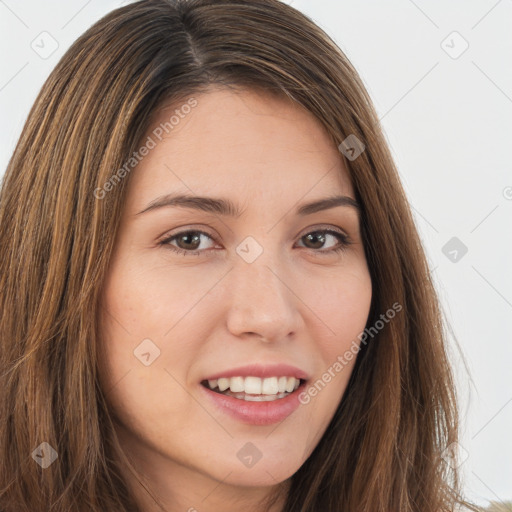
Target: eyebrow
pixel 228 208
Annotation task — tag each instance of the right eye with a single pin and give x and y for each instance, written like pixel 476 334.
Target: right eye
pixel 187 242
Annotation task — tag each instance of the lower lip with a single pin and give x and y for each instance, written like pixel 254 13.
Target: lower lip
pixel 256 413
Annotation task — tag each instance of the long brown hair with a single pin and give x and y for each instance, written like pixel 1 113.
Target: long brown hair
pixel 383 449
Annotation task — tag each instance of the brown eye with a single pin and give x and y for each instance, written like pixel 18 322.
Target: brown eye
pixel 186 242
pixel 317 240
pixel 190 240
pixel 321 241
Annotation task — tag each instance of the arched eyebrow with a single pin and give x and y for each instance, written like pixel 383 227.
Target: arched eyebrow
pixel 222 206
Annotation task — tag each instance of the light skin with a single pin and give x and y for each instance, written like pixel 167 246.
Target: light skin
pixel 296 303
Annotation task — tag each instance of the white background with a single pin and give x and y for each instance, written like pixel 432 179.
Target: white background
pixel 449 124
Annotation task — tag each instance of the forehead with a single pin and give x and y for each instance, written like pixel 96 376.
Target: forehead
pixel 241 143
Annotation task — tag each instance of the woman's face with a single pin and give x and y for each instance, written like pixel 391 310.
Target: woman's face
pixel 260 299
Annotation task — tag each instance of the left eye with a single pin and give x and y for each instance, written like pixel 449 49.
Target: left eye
pixel 187 242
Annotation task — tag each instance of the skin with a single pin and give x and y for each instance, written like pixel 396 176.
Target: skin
pixel 214 311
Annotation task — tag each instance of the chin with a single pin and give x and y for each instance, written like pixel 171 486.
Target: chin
pixel 266 472
pixel 260 476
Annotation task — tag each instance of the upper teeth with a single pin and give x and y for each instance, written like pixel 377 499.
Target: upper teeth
pixel 256 385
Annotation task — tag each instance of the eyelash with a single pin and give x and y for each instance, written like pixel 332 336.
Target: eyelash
pixel 344 242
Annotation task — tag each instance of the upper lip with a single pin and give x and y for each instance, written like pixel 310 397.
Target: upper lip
pixel 262 371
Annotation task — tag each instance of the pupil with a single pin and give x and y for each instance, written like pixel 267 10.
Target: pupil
pixel 319 237
pixel 188 237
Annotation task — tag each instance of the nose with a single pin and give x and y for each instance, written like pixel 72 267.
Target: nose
pixel 261 302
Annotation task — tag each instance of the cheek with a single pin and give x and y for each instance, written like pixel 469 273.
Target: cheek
pixel 143 366
pixel 150 307
pixel 342 303
pixel 136 313
pixel 154 295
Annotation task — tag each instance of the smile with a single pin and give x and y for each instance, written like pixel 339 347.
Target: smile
pixel 254 389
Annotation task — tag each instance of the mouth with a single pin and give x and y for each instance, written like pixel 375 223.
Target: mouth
pixel 256 394
pixel 254 389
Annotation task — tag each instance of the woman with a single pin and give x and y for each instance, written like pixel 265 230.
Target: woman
pixel 213 293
